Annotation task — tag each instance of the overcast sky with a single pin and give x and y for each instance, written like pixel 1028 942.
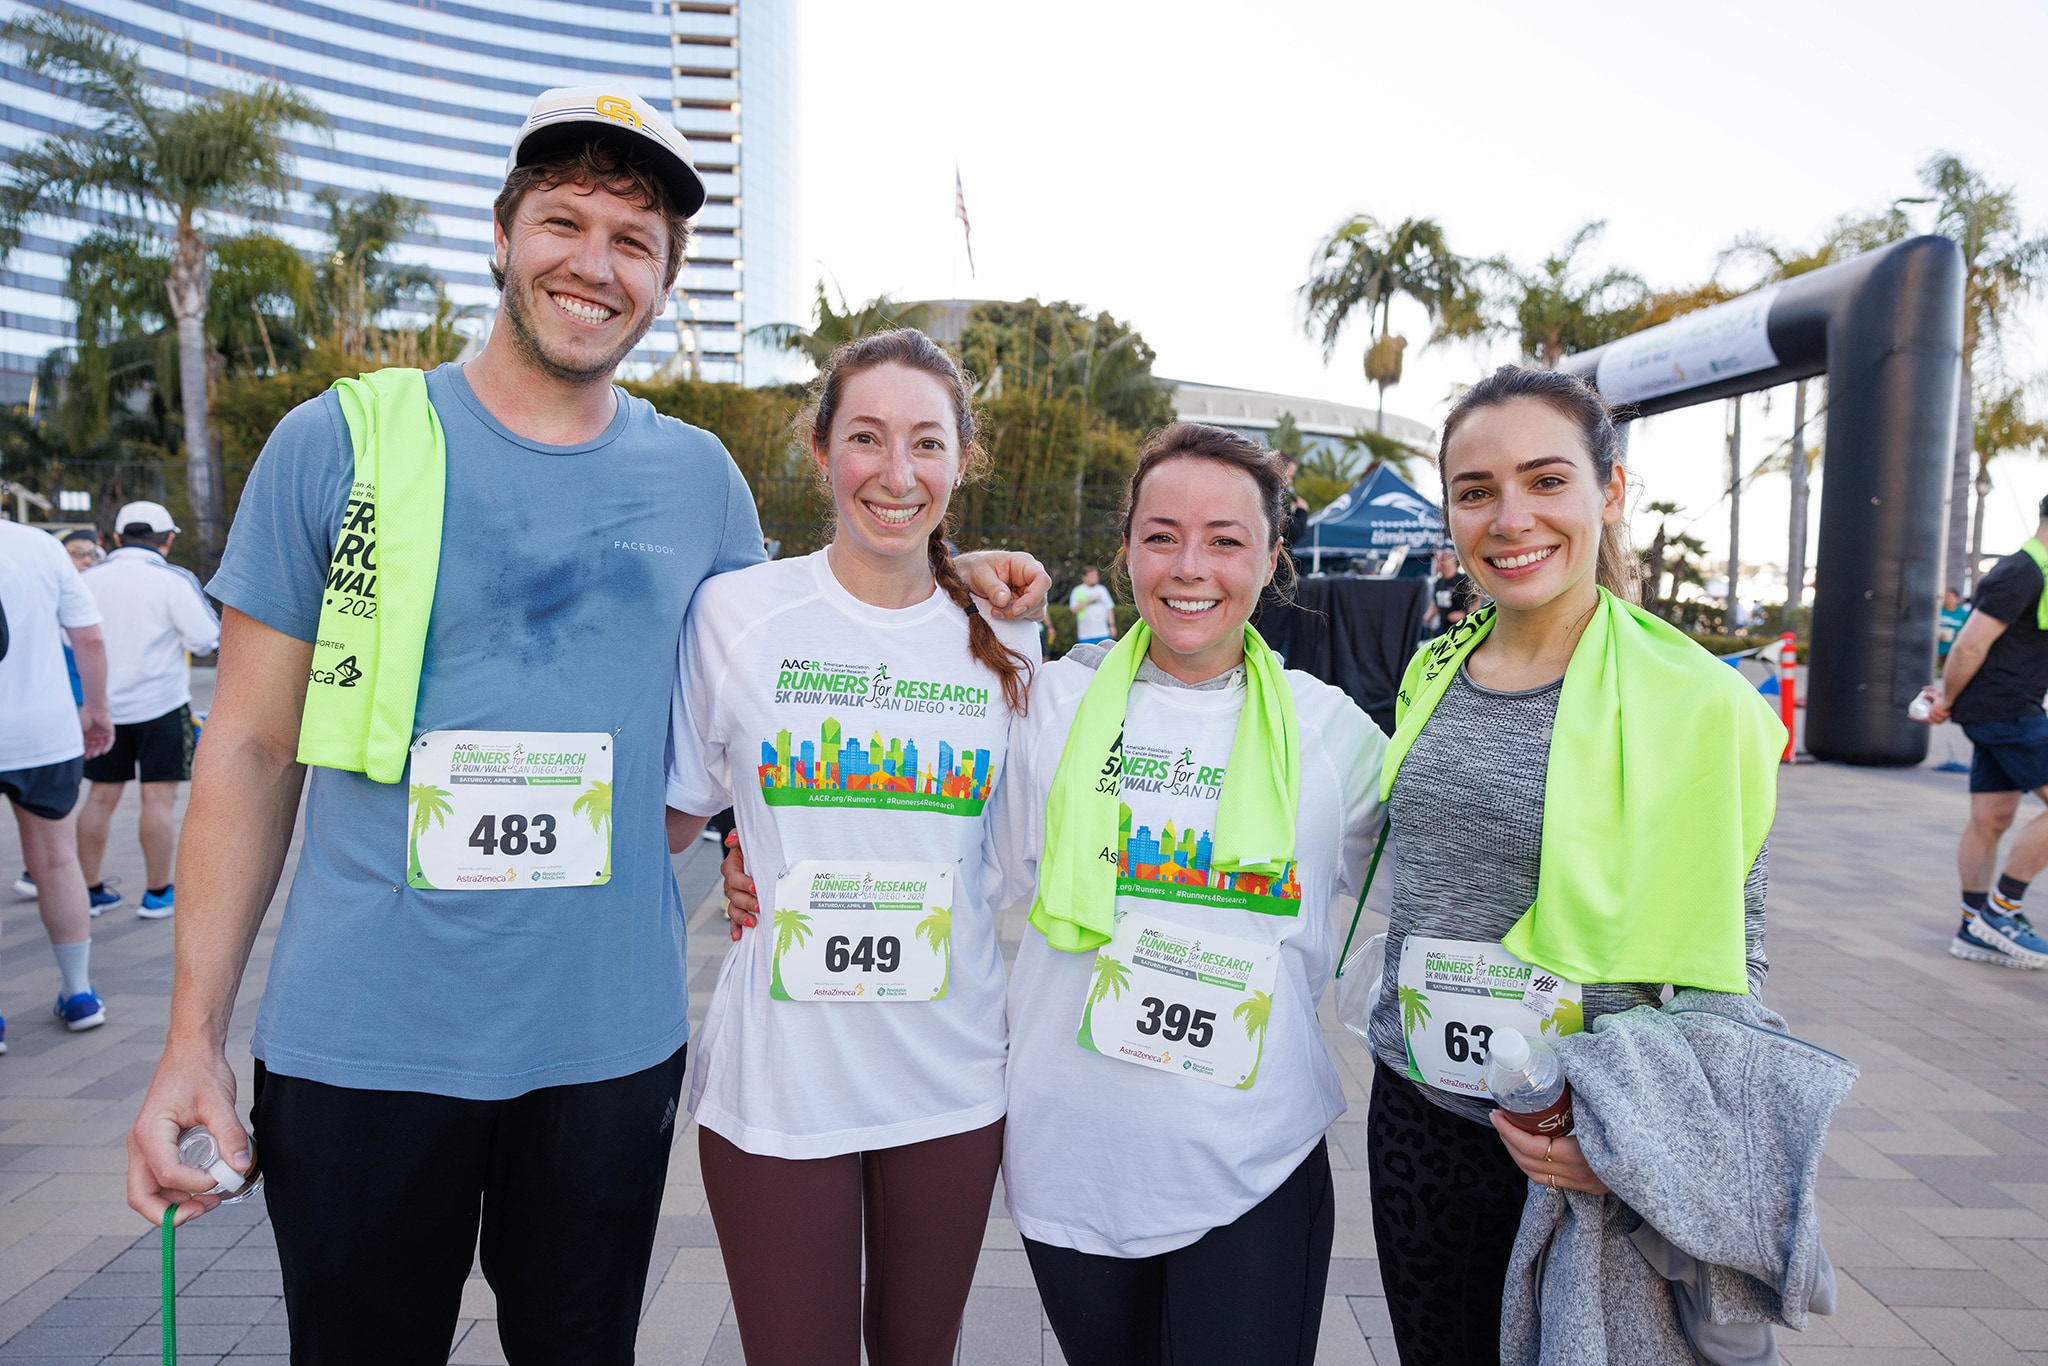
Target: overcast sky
pixel 1177 163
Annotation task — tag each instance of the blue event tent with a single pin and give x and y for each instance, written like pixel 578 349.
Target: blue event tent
pixel 1380 511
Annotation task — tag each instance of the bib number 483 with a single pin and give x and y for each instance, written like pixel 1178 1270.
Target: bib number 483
pixel 514 834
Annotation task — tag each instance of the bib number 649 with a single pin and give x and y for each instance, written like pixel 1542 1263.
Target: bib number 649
pixel 1177 1022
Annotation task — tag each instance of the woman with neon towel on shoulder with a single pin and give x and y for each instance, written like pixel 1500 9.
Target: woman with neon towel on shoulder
pixel 1184 809
pixel 1580 797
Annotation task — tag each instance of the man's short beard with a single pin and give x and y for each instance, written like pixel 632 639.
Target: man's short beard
pixel 526 337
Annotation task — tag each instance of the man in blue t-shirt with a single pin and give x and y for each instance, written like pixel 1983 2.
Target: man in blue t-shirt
pixel 466 1042
pixel 1992 683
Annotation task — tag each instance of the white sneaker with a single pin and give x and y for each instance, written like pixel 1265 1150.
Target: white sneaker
pixel 25 886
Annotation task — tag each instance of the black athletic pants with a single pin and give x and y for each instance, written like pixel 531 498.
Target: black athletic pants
pixel 1446 1205
pixel 1247 1294
pixel 375 1197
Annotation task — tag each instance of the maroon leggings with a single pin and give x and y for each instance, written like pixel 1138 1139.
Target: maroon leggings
pixel 791 1232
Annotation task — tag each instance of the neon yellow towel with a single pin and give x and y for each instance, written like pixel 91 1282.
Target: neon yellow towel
pixel 2038 553
pixel 1662 783
pixel 1076 904
pixel 366 662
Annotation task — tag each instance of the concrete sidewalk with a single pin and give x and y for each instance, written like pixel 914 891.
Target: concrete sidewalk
pixel 1935 1193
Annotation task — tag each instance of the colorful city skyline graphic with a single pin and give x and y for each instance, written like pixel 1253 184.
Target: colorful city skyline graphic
pixel 1174 866
pixel 837 770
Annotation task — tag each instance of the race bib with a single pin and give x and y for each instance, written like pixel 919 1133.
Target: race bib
pixel 1184 1001
pixel 497 810
pixel 855 931
pixel 1455 992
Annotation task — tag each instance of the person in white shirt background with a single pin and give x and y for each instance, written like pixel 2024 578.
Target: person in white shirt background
pixel 1094 609
pixel 153 615
pixel 44 740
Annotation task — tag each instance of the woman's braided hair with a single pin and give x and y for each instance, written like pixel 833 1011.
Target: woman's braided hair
pixel 912 349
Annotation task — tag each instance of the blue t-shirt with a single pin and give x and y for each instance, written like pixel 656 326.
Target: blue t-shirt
pixel 565 575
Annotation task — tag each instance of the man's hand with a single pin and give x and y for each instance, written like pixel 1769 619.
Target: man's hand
pixel 1011 581
pixel 98 725
pixel 193 1085
pixel 1940 704
pixel 1556 1162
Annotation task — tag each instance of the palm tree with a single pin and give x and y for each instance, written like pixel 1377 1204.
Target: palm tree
pixel 1111 977
pixel 595 805
pixel 936 930
pixel 355 283
pixel 833 327
pixel 1364 265
pixel 429 805
pixel 1568 1018
pixel 2001 425
pixel 2002 267
pixel 1414 1008
pixel 1850 235
pixel 1554 308
pixel 1255 1011
pixel 141 147
pixel 791 927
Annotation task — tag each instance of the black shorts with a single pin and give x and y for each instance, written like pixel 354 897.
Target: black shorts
pixel 2011 756
pixel 50 791
pixel 162 748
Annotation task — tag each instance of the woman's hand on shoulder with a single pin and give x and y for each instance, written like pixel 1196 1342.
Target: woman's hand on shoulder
pixel 1555 1162
pixel 742 904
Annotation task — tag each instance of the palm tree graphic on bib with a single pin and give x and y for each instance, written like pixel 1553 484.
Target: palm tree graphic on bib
pixel 936 930
pixel 596 805
pixel 791 927
pixel 1111 977
pixel 429 804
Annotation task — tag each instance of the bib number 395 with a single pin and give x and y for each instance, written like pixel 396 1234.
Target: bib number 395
pixel 1181 1000
pixel 508 810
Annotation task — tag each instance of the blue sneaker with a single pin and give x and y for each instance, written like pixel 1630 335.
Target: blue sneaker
pixel 3 1036
pixel 104 895
pixel 83 1011
pixel 159 905
pixel 2009 936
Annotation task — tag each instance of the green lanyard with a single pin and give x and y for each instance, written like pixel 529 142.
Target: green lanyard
pixel 1370 873
pixel 170 1289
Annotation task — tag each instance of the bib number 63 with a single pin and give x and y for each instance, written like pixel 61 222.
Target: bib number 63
pixel 1463 1042
pixel 1176 1022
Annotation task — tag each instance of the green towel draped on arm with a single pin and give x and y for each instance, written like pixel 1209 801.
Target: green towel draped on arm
pixel 1661 786
pixel 1076 903
pixel 387 556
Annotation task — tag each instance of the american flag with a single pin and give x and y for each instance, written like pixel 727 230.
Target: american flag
pixel 960 212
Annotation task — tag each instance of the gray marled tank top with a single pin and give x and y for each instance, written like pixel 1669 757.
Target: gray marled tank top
pixel 1468 840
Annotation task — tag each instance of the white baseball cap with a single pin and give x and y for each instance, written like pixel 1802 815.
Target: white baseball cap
pixel 155 516
pixel 560 116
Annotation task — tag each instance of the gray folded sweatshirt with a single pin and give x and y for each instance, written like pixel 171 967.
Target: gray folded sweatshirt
pixel 1706 1120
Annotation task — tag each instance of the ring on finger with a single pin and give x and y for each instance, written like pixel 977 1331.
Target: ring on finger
pixel 1553 1180
pixel 1548 1144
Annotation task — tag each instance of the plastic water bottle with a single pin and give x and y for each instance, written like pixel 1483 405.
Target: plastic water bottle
pixel 198 1148
pixel 1524 1076
pixel 1921 708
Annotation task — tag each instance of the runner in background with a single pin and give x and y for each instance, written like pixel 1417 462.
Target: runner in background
pixel 44 739
pixel 1953 615
pixel 154 615
pixel 1094 609
pixel 83 547
pixel 471 1040
pixel 853 706
pixel 1992 685
pixel 1534 502
pixel 1181 794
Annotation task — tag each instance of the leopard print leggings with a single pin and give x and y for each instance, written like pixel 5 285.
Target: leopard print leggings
pixel 1446 1202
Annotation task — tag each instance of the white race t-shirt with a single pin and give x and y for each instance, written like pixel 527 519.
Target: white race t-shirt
pixel 1121 1160
pixel 153 613
pixel 841 731
pixel 1094 612
pixel 40 589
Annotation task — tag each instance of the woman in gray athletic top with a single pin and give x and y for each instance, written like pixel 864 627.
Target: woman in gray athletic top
pixel 1478 793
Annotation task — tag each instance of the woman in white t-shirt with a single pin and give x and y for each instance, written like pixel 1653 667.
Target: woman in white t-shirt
pixel 1185 810
pixel 853 706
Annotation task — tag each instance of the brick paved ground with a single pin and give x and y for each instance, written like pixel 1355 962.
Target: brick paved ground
pixel 1935 1193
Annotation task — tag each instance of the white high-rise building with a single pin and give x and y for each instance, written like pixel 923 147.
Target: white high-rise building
pixel 423 99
